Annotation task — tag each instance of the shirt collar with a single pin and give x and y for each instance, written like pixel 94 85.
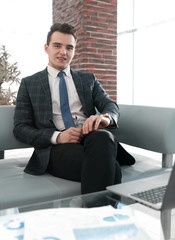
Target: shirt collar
pixel 67 71
pixel 54 72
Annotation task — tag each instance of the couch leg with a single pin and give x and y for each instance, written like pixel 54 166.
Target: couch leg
pixel 167 160
pixel 1 154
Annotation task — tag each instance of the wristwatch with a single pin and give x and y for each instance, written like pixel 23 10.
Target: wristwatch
pixel 107 115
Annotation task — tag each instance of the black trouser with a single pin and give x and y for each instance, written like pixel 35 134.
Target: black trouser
pixel 92 162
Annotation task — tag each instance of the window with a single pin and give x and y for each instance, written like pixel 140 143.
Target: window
pixel 23 30
pixel 146 52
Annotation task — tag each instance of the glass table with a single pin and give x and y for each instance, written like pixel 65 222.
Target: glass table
pixel 145 216
pixel 96 199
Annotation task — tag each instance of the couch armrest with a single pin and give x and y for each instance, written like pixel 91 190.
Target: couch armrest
pixel 150 128
pixel 7 139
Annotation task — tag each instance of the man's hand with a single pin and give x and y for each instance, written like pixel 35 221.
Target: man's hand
pixel 95 122
pixel 71 135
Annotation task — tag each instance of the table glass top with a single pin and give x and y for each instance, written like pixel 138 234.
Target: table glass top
pixel 97 199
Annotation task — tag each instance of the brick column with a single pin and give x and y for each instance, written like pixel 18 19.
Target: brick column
pixel 96 51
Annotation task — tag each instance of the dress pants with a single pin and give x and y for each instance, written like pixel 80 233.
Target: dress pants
pixel 91 162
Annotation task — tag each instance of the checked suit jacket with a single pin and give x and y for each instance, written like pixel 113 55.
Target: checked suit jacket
pixel 33 119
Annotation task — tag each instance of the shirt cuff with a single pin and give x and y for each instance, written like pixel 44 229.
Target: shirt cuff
pixel 54 137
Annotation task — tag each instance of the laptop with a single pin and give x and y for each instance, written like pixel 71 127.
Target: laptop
pixel 146 191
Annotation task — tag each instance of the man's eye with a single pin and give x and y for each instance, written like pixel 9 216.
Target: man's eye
pixel 57 45
pixel 70 48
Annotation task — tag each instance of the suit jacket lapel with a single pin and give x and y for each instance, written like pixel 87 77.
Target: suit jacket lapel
pixel 79 87
pixel 45 85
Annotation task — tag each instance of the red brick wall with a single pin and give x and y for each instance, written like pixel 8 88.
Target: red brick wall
pixel 96 51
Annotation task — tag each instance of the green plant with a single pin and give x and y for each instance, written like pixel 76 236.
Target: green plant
pixel 9 78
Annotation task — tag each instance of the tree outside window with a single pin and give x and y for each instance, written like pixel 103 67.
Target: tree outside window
pixel 9 78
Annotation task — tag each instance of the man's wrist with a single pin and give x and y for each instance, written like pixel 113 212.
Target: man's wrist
pixel 107 115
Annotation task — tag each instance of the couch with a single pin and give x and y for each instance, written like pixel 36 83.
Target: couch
pixel 150 128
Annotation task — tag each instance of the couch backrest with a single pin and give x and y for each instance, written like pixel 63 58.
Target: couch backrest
pixel 151 128
pixel 7 139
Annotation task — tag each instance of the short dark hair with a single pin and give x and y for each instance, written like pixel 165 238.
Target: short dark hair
pixel 63 28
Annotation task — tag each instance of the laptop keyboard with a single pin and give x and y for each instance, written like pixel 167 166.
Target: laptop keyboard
pixel 154 195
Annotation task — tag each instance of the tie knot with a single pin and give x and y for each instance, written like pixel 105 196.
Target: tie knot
pixel 61 74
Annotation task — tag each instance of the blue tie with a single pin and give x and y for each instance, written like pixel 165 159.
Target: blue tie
pixel 64 103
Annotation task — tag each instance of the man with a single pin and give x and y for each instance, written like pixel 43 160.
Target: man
pixel 70 139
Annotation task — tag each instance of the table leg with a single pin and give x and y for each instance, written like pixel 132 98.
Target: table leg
pixel 165 219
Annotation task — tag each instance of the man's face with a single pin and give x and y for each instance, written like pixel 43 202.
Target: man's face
pixel 60 50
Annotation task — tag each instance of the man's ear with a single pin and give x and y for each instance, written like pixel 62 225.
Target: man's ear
pixel 74 53
pixel 46 48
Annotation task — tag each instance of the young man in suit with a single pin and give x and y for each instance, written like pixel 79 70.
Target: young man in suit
pixel 82 149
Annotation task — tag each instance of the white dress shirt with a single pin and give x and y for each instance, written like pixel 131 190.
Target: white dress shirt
pixel 74 101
